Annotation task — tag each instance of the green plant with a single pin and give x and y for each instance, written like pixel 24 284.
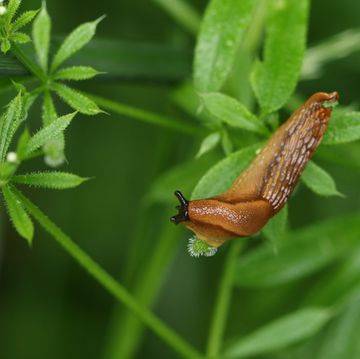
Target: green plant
pixel 235 99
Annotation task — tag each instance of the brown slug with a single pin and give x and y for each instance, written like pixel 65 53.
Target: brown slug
pixel 265 186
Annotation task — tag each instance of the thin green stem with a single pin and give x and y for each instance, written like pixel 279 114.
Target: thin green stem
pixel 220 314
pixel 109 283
pixel 183 13
pixel 146 116
pixel 28 63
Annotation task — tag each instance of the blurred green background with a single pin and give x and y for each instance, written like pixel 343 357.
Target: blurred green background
pixel 49 307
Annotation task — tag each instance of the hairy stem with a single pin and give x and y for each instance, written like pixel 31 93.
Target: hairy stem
pixel 109 283
pixel 223 299
pixel 146 116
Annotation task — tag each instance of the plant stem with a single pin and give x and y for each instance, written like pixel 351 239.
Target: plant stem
pixel 109 283
pixel 28 63
pixel 183 13
pixel 146 116
pixel 219 318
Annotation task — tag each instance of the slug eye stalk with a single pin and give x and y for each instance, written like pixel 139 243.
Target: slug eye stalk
pixel 183 214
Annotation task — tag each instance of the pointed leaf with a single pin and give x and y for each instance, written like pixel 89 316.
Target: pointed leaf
pixel 232 112
pixel 5 46
pixel 48 132
pixel 22 144
pixel 20 38
pixel 76 100
pixel 23 19
pixel 54 149
pixel 280 333
pixel 302 252
pixel 344 127
pixel 11 10
pixel 74 42
pixel 319 181
pixel 220 35
pixel 219 178
pixel 275 78
pixel 76 73
pixel 18 215
pixel 10 122
pixel 41 36
pixel 52 180
pixel 208 143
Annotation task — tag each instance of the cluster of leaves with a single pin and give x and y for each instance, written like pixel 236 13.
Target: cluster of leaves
pixel 49 140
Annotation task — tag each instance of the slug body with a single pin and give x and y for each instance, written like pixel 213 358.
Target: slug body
pixel 265 186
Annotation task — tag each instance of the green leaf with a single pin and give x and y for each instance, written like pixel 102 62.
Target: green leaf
pixel 11 10
pixel 52 180
pixel 5 46
pixel 226 143
pixel 319 181
pixel 302 252
pixel 275 78
pixel 9 123
pixel 208 143
pixel 48 133
pixel 220 177
pixel 220 35
pixel 275 229
pixel 74 42
pixel 41 36
pixel 20 38
pixel 343 127
pixel 22 144
pixel 281 333
pixel 76 73
pixel 23 20
pixel 76 100
pixel 18 215
pixel 54 149
pixel 230 111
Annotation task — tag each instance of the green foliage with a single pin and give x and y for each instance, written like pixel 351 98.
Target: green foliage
pixel 281 333
pixel 221 31
pixel 302 252
pixel 275 78
pixel 9 27
pixel 208 143
pixel 319 181
pixel 275 229
pixel 232 112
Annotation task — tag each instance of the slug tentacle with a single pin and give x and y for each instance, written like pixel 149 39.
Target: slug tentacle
pixel 265 186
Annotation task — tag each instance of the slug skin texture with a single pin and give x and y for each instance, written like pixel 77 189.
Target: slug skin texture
pixel 265 186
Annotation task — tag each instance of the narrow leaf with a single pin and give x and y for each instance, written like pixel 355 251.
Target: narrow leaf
pixel 306 251
pixel 20 38
pixel 281 333
pixel 5 46
pixel 48 132
pixel 18 215
pixel 76 100
pixel 54 149
pixel 319 181
pixel 11 10
pixel 52 180
pixel 10 122
pixel 275 78
pixel 219 178
pixel 22 144
pixel 344 127
pixel 74 42
pixel 41 36
pixel 208 143
pixel 23 19
pixel 220 35
pixel 230 111
pixel 76 73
